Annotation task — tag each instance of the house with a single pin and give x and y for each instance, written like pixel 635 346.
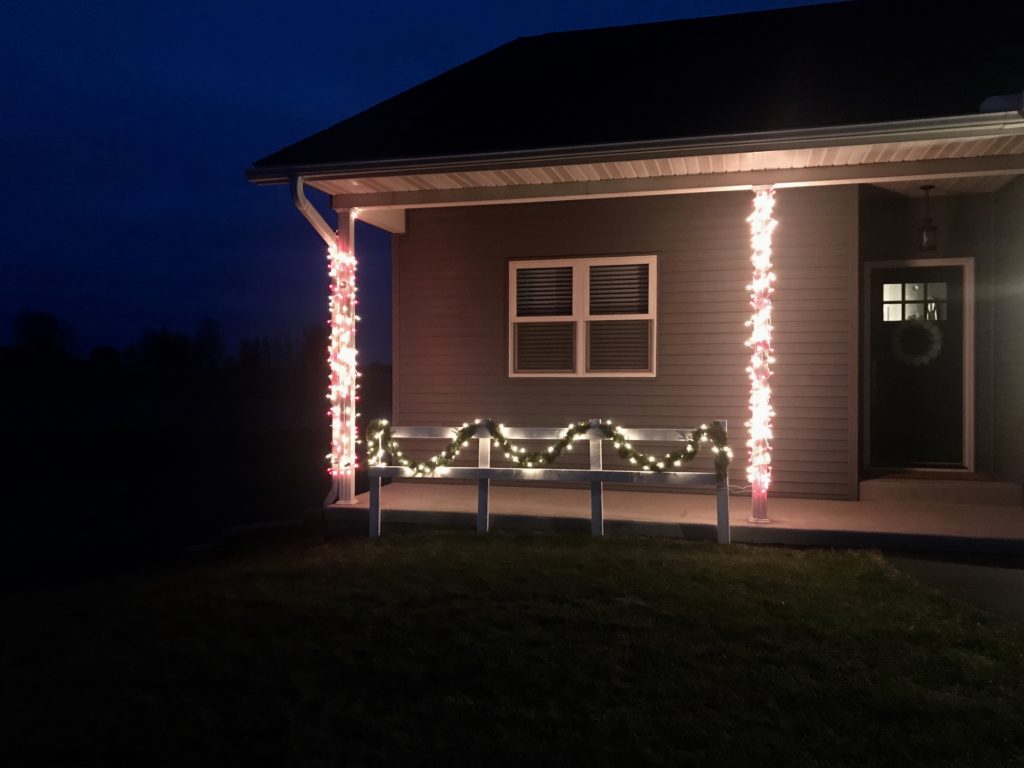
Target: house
pixel 572 237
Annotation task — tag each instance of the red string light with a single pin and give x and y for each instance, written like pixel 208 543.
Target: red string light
pixel 759 443
pixel 341 361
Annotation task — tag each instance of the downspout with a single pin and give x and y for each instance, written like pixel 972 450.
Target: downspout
pixel 341 350
pixel 297 184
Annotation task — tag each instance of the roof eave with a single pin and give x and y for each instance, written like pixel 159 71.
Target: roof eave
pixel 957 126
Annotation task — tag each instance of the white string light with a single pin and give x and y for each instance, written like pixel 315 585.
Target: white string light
pixel 380 440
pixel 759 443
pixel 341 361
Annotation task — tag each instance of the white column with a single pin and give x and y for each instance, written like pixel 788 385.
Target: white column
pixel 341 358
pixel 759 464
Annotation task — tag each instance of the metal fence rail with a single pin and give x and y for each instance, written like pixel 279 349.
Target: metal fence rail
pixel 596 476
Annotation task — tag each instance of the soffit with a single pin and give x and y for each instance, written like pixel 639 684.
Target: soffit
pixel 690 165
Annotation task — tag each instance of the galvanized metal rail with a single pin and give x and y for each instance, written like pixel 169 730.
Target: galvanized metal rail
pixel 596 476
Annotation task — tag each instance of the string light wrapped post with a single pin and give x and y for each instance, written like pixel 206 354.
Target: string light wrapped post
pixel 759 428
pixel 341 360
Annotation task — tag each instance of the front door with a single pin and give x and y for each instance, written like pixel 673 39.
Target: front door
pixel 916 367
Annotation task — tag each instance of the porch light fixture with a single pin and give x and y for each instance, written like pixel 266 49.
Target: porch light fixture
pixel 927 231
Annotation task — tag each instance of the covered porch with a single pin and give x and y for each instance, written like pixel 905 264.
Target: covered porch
pixel 888 343
pixel 959 522
pixel 847 202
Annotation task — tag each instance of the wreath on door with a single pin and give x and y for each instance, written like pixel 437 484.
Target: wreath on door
pixel 917 342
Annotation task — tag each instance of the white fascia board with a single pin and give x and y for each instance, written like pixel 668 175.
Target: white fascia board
pixel 727 181
pixel 962 126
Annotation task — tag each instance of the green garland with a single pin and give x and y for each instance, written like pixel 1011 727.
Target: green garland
pixel 380 440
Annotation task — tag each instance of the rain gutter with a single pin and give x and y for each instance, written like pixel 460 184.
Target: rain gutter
pixel 963 126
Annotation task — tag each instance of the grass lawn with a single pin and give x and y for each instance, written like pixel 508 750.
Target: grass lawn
pixel 510 649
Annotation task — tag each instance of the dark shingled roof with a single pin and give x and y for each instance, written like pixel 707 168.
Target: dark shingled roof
pixel 835 64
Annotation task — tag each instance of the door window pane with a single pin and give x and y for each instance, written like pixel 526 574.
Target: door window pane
pixel 937 291
pixel 914 311
pixel 913 291
pixel 936 310
pixel 892 292
pixel 892 312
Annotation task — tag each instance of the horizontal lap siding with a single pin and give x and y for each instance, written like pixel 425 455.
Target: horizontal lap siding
pixel 451 320
pixel 1008 453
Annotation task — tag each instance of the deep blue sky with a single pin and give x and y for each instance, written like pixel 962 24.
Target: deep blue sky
pixel 126 129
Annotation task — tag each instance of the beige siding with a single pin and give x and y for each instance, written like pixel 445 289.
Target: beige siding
pixel 1009 334
pixel 451 321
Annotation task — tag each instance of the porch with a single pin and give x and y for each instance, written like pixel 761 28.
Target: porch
pixel 457 259
pixel 890 523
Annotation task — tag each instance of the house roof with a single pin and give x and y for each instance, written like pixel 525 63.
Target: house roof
pixel 812 67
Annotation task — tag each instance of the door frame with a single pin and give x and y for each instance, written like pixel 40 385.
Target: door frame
pixel 967 263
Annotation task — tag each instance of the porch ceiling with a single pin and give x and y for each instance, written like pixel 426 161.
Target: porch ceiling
pixel 962 185
pixel 401 190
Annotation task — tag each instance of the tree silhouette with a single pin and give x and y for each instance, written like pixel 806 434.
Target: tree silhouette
pixel 265 352
pixel 209 344
pixel 41 334
pixel 166 349
pixel 313 348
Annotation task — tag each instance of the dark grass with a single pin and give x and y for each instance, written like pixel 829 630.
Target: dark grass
pixel 510 649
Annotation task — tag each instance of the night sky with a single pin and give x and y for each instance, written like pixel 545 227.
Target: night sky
pixel 127 127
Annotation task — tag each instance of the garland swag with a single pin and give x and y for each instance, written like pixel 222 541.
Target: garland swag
pixel 380 440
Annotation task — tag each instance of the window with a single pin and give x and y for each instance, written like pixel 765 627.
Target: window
pixel 582 317
pixel 913 301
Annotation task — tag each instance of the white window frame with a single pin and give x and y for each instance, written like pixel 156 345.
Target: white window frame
pixel 581 314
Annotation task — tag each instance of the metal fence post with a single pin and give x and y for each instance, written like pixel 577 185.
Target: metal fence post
pixel 596 488
pixel 374 506
pixel 722 496
pixel 483 487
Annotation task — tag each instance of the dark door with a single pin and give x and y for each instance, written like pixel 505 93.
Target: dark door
pixel 916 367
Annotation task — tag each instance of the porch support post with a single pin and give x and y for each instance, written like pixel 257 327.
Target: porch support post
pixel 342 360
pixel 374 506
pixel 596 488
pixel 759 465
pixel 722 497
pixel 483 487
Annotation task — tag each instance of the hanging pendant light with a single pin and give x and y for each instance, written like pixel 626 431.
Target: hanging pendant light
pixel 927 232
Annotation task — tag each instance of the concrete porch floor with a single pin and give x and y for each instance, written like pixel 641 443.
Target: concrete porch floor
pixel 996 529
